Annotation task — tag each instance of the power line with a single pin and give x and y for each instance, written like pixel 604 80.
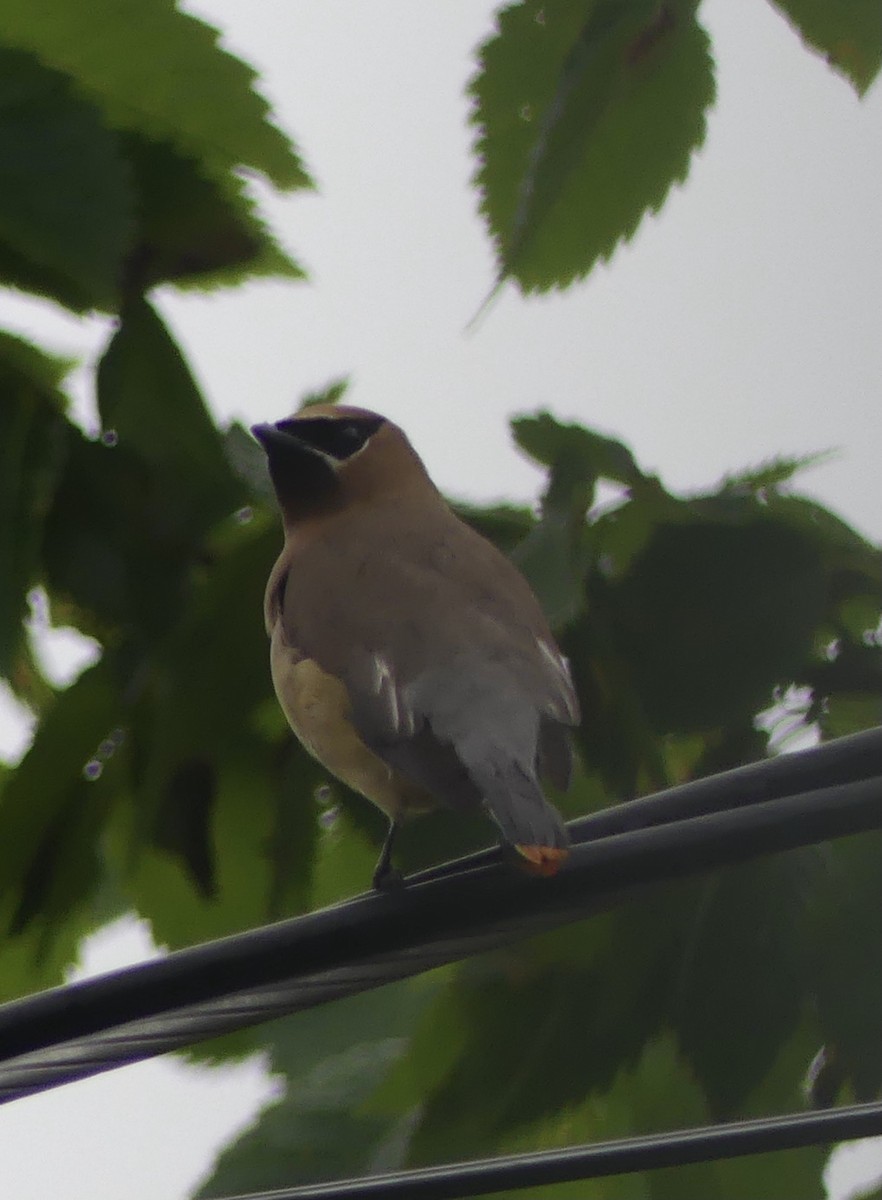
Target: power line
pixel 449 1181
pixel 441 916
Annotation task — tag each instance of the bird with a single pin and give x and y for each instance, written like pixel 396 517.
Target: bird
pixel 409 655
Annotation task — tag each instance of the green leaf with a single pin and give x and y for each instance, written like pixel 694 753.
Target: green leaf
pixel 306 1136
pixel 41 955
pixel 66 197
pixel 333 1058
pixel 549 558
pixel 588 113
pixel 53 811
pixel 86 214
pixel 214 662
pixel 848 962
pixel 249 864
pixel 847 34
pixel 67 866
pixel 780 1173
pixel 504 524
pixel 549 1042
pixel 615 737
pixel 130 515
pixel 861 614
pixel 621 533
pixel 21 360
pixel 224 829
pixel 553 556
pixel 771 474
pixel 303 1042
pixel 148 398
pixel 113 556
pixel 743 982
pixel 845 714
pixel 654 1095
pixel 161 73
pixel 194 230
pixel 345 854
pixel 589 455
pixel 526 1032
pixel 291 850
pixel 32 445
pixel 37 791
pixel 760 582
pixel 841 546
pixel 333 393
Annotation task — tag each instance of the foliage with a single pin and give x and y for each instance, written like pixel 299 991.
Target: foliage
pixel 588 111
pixel 847 34
pixel 122 129
pixel 588 114
pixel 164 779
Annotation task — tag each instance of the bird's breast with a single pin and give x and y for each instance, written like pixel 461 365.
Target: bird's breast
pixel 318 710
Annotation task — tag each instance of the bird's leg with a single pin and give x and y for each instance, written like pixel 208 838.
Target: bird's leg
pixel 385 875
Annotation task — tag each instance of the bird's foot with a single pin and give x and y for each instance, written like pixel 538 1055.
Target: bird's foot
pixel 387 879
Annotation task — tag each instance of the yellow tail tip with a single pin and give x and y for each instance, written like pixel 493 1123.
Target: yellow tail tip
pixel 542 860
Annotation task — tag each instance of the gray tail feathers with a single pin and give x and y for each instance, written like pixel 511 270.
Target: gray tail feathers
pixel 515 802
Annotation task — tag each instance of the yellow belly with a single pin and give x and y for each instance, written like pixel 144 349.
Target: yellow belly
pixel 317 707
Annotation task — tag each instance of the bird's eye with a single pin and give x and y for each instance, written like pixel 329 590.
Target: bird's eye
pixel 337 436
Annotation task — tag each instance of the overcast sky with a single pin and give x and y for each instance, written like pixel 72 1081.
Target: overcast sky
pixel 741 323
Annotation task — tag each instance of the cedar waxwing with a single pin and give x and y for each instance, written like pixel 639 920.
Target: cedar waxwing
pixel 409 655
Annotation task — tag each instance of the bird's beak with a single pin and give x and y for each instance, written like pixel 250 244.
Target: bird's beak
pixel 271 437
pixel 283 446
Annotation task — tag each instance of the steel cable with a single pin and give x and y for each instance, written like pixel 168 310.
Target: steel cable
pixel 482 1177
pixel 67 1033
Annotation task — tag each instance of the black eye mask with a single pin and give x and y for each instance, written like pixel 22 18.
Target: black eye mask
pixel 336 436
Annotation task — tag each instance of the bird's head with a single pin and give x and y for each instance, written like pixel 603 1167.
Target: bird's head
pixel 329 456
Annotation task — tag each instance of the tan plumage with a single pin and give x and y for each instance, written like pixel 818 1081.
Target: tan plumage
pixel 410 657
